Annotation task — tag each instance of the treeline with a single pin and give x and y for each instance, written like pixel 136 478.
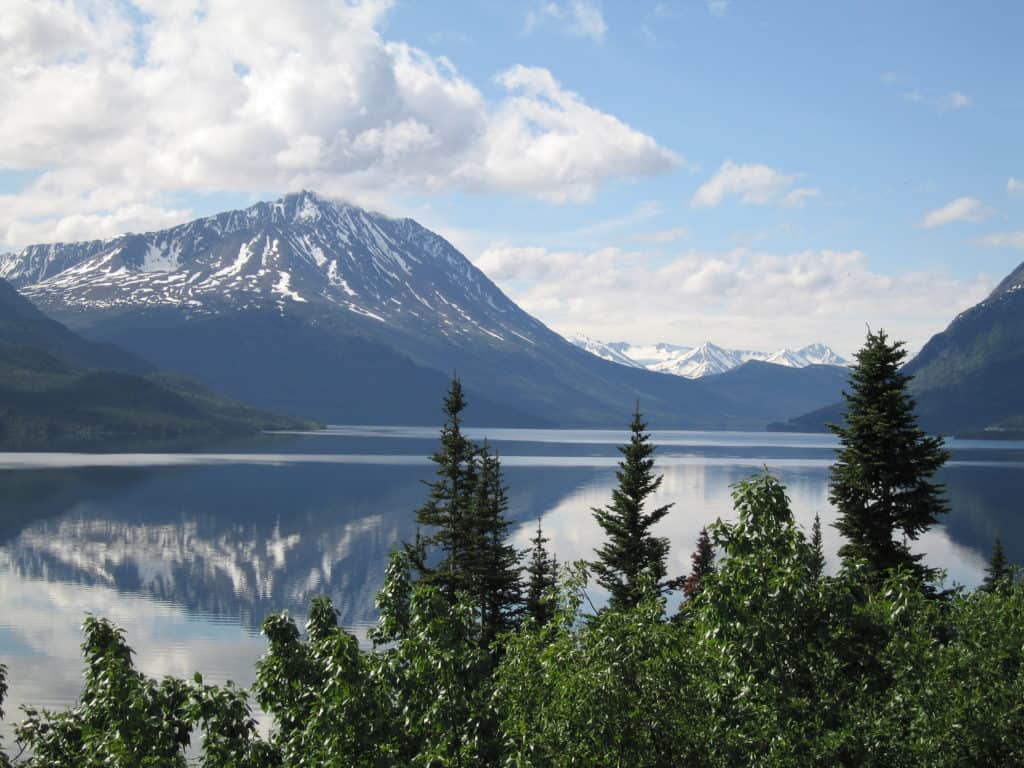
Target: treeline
pixel 485 655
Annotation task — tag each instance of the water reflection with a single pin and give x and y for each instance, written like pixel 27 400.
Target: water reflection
pixel 190 551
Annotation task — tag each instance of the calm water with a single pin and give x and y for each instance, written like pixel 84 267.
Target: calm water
pixel 188 552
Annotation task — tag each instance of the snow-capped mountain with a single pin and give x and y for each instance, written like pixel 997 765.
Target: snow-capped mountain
pixel 299 250
pixel 609 352
pixel 650 355
pixel 821 354
pixel 707 359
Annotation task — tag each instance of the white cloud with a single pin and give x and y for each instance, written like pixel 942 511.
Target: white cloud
pixel 579 18
pixel 741 297
pixel 943 101
pixel 661 236
pixel 120 108
pixel 1014 186
pixel 961 209
pixel 751 183
pixel 546 141
pixel 718 7
pixel 1004 240
pixel 797 197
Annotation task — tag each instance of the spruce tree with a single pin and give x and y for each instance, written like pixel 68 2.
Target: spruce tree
pixel 631 553
pixel 446 517
pixel 496 572
pixel 881 482
pixel 999 573
pixel 817 549
pixel 542 573
pixel 703 564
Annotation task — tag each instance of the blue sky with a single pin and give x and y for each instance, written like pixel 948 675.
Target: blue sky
pixel 760 174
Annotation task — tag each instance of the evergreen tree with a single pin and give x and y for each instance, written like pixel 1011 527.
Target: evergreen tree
pixel 496 572
pixel 817 549
pixel 631 553
pixel 446 516
pixel 543 576
pixel 999 573
pixel 703 564
pixel 881 482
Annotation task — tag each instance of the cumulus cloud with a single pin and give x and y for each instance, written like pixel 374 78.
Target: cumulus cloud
pixel 117 106
pixel 1014 186
pixel 1004 240
pixel 718 7
pixel 579 18
pixel 750 183
pixel 961 209
pixel 742 297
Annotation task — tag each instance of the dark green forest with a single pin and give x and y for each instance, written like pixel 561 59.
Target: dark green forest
pixel 488 656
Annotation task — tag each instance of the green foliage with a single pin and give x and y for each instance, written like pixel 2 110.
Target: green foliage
pixel 702 565
pixel 631 553
pixel 495 569
pixel 612 692
pixel 999 573
pixel 44 402
pixel 328 708
pixel 466 527
pixel 775 665
pixel 447 513
pixel 542 579
pixel 4 761
pixel 881 481
pixel 817 549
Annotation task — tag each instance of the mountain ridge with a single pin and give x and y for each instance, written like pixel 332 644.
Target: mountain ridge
pixel 966 378
pixel 706 359
pixel 350 316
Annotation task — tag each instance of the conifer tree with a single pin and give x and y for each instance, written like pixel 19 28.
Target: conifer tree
pixel 817 549
pixel 496 572
pixel 446 517
pixel 631 553
pixel 703 564
pixel 881 482
pixel 999 573
pixel 542 573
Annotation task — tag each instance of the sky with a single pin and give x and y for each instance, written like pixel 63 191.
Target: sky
pixel 755 174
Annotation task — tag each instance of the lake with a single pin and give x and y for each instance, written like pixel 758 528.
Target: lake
pixel 190 551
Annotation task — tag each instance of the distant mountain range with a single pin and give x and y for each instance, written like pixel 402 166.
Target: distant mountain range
pixel 706 359
pixel 313 307
pixel 968 379
pixel 57 388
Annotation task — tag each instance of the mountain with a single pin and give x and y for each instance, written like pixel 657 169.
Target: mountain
pixel 967 379
pixel 780 388
pixel 22 324
pixel 609 352
pixel 343 315
pixel 706 359
pixel 651 355
pixel 56 388
pixel 820 354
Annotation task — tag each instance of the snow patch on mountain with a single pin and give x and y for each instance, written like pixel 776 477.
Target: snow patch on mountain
pixel 604 351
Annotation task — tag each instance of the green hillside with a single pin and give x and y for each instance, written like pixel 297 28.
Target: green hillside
pixel 967 379
pixel 58 389
pixel 46 403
